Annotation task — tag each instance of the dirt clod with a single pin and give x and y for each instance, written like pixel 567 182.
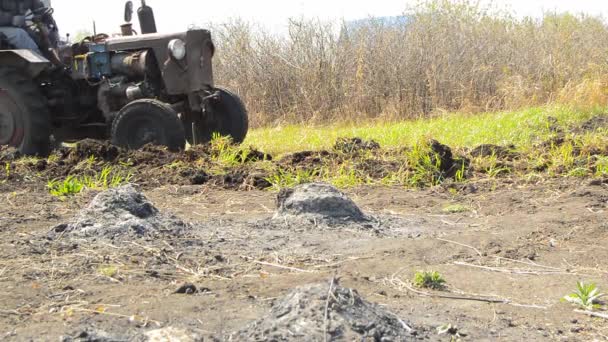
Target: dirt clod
pixel 595 123
pixel 102 150
pixel 444 153
pixel 120 212
pixel 187 289
pixel 314 312
pixel 317 201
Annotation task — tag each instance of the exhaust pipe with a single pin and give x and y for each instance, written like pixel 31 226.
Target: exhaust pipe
pixel 147 23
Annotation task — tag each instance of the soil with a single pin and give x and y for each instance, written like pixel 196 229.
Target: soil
pixel 514 252
pixel 194 253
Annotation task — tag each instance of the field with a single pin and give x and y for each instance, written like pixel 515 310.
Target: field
pixel 509 208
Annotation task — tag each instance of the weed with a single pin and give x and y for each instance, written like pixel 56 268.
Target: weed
pixel 108 271
pixel 286 179
pixel 425 166
pixel 586 296
pixel 225 152
pixel 68 187
pixel 72 185
pixel 579 172
pixel 429 280
pixel 345 176
pixel 7 169
pixel 451 330
pixel 106 179
pixel 461 174
pixel 601 166
pixel 456 209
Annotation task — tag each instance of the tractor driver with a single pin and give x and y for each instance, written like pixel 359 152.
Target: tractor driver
pixel 13 18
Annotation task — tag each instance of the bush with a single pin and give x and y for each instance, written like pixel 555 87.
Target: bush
pixel 448 55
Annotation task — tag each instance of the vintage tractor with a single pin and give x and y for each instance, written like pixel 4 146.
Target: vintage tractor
pixel 133 89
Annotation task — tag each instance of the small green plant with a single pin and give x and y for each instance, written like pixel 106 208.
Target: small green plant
pixel 586 296
pixel 601 166
pixel 108 271
pixel 456 209
pixel 68 187
pixel 461 174
pixel 286 179
pixel 7 169
pixel 451 330
pixel 425 165
pixel 107 178
pixel 429 280
pixel 579 172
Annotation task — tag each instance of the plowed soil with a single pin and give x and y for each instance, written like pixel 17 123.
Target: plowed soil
pixel 509 252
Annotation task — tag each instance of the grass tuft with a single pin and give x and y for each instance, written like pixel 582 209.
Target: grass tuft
pixel 107 178
pixel 429 280
pixel 586 296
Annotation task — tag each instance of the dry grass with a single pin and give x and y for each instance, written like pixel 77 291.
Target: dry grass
pixel 450 56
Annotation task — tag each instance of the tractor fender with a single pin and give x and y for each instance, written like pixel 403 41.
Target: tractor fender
pixel 29 61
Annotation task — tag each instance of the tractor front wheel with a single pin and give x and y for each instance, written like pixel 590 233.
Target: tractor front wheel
pixel 227 116
pixel 24 118
pixel 147 121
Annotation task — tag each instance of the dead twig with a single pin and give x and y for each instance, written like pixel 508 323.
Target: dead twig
pixel 462 245
pixel 282 267
pixel 592 314
pixel 399 284
pixel 11 313
pixel 143 320
pixel 514 270
pixel 530 263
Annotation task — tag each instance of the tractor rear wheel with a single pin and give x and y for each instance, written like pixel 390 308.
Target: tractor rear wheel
pixel 24 118
pixel 228 117
pixel 148 121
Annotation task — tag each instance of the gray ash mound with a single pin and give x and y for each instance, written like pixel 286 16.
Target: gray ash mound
pixel 318 313
pixel 318 202
pixel 118 213
pixel 320 206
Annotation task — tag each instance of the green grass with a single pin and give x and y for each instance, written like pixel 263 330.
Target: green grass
pixel 107 178
pixel 521 128
pixel 585 297
pixel 429 280
pixel 456 209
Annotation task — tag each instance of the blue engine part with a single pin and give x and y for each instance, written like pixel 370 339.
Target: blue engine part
pixel 98 60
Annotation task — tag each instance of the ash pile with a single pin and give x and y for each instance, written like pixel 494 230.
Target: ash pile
pixel 322 206
pixel 318 203
pixel 327 312
pixel 118 213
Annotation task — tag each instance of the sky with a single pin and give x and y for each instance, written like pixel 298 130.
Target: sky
pixel 177 15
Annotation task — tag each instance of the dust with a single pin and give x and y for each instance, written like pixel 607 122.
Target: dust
pixel 327 312
pixel 118 213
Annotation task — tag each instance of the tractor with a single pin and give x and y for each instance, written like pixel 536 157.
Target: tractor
pixel 133 88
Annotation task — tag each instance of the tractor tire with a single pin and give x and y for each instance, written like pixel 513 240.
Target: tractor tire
pixel 25 122
pixel 148 121
pixel 228 118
